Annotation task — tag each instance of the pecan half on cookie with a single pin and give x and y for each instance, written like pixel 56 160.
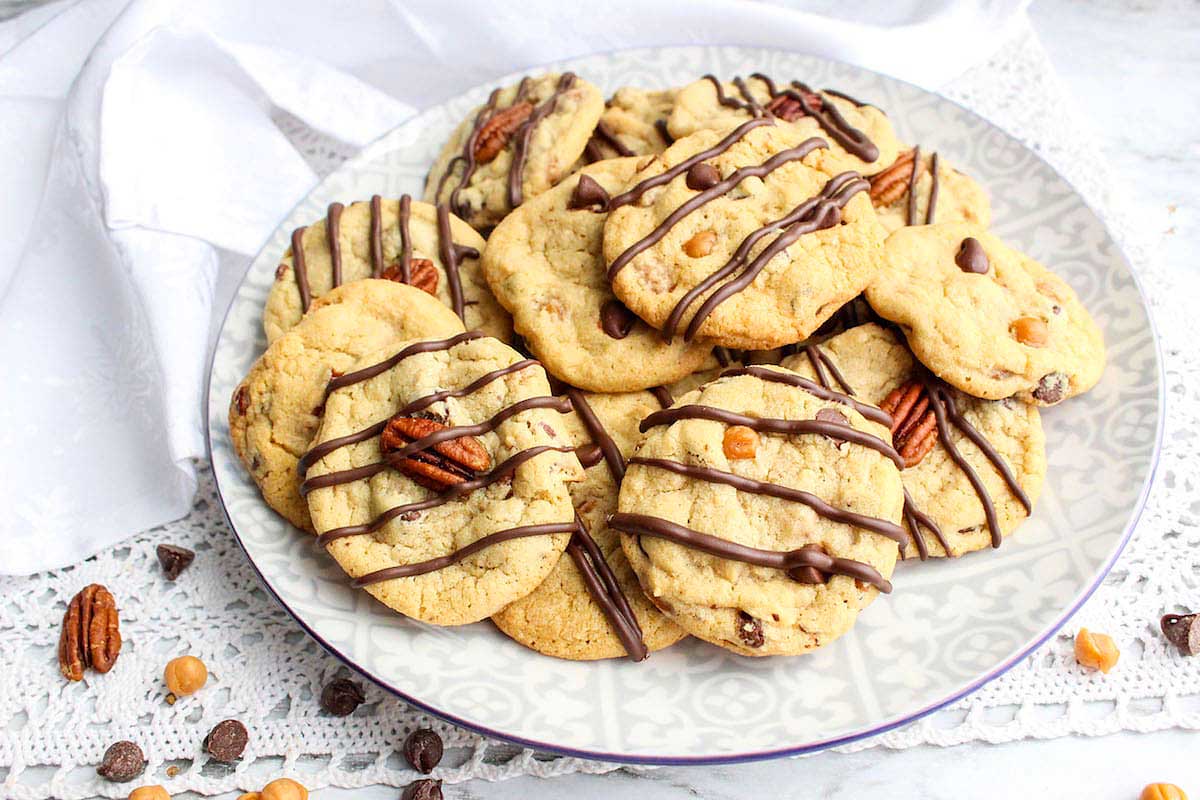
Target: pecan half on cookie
pixel 91 633
pixel 914 424
pixel 422 274
pixel 890 185
pixel 494 135
pixel 439 466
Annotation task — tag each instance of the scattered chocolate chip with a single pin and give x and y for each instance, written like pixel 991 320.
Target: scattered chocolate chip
pixel 424 789
pixel 423 749
pixel 616 320
pixel 340 697
pixel 588 192
pixel 702 176
pixel 410 516
pixel 1182 631
pixel 750 630
pixel 971 258
pixel 1051 388
pixel 123 761
pixel 242 401
pixel 227 740
pixel 174 559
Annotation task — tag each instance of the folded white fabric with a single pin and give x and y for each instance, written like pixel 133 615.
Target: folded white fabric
pixel 142 134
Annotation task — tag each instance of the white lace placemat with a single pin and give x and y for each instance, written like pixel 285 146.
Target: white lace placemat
pixel 267 673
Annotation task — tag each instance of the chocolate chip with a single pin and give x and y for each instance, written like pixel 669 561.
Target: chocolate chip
pixel 702 176
pixel 971 258
pixel 750 630
pixel 588 193
pixel 123 761
pixel 424 789
pixel 174 559
pixel 341 697
pixel 832 415
pixel 1182 631
pixel 616 320
pixel 410 516
pixel 423 749
pixel 227 740
pixel 280 271
pixel 1051 388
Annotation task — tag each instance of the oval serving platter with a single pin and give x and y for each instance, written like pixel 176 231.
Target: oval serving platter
pixel 948 628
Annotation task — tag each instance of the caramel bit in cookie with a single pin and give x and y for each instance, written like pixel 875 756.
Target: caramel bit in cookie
pixel 1182 631
pixel 241 400
pixel 970 257
pixel 440 466
pixel 740 442
pixel 154 792
pixel 123 761
pixel 185 675
pixel 1031 331
pixel 1163 791
pixel 496 132
pixel 283 789
pixel 702 176
pixel 588 193
pixel 91 633
pixel 750 630
pixel 423 750
pixel 1096 650
pixel 914 424
pixel 890 185
pixel 701 244
pixel 616 320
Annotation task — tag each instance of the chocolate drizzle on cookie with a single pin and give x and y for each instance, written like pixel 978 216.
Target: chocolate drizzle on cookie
pixel 820 389
pixel 911 211
pixel 660 125
pixel 516 170
pixel 604 135
pixel 821 362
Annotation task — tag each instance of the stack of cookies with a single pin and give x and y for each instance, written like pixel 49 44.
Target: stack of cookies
pixel 702 361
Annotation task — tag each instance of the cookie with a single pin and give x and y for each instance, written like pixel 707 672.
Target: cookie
pixel 761 511
pixel 560 618
pixel 544 263
pixel 401 240
pixel 439 477
pixel 746 238
pixel 275 410
pixel 984 464
pixel 985 318
pixel 515 146
pixel 634 123
pixel 933 192
pixel 860 136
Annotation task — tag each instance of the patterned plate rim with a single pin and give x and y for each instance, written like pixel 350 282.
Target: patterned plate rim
pixel 866 732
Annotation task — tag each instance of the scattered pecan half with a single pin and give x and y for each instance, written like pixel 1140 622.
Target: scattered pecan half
pixel 499 129
pixel 91 633
pixel 914 425
pixel 788 108
pixel 441 466
pixel 890 185
pixel 422 274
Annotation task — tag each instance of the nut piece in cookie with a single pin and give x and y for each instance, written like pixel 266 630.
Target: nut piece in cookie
pixel 949 507
pixel 515 146
pixel 985 318
pixel 439 477
pixel 544 263
pixel 773 550
pixel 860 136
pixel 402 240
pixel 634 123
pixel 920 188
pixel 746 237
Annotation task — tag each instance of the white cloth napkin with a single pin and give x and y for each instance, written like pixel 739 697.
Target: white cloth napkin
pixel 142 167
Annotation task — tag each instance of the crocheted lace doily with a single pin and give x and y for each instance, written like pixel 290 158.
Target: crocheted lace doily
pixel 267 673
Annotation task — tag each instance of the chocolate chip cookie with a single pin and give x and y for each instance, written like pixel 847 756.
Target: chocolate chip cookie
pixel 920 188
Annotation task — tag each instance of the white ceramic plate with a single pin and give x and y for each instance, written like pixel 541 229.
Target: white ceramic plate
pixel 949 626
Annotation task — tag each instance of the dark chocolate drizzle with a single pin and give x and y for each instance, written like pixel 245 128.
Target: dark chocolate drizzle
pixel 660 125
pixel 789 561
pixel 450 252
pixel 300 269
pixel 821 389
pixel 911 212
pixel 773 425
pixel 700 198
pixel 821 362
pixel 604 135
pixel 933 189
pixel 605 589
pixel 516 169
pixel 846 97
pixel 405 238
pixel 466 156
pixel 377 236
pixel 663 395
pixel 333 233
pixel 851 139
pixel 916 519
pixel 596 430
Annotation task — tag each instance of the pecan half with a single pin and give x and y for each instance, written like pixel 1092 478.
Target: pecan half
pixel 496 132
pixel 439 467
pixel 914 425
pixel 422 274
pixel 890 185
pixel 91 634
pixel 788 108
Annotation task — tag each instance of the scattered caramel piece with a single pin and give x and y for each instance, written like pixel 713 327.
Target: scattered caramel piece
pixel 154 792
pixel 701 244
pixel 1031 331
pixel 185 675
pixel 284 789
pixel 1096 650
pixel 250 796
pixel 740 442
pixel 1163 791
